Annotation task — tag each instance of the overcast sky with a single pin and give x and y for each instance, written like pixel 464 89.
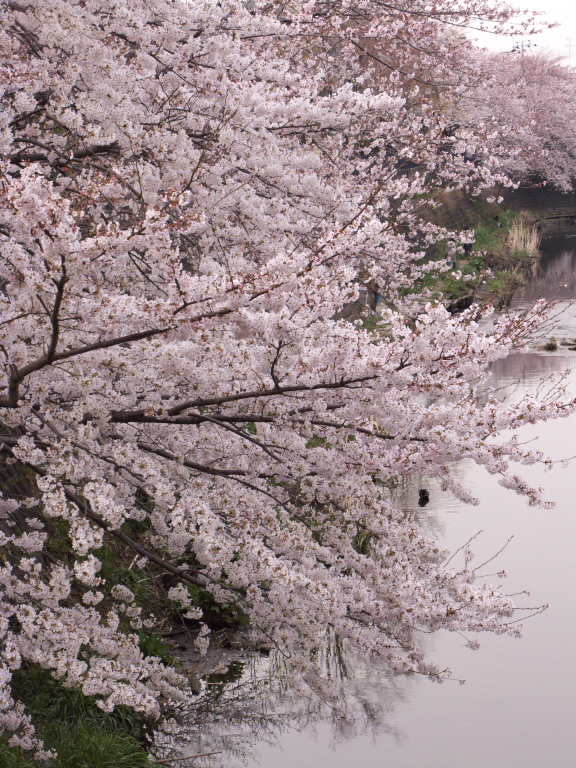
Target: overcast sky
pixel 563 11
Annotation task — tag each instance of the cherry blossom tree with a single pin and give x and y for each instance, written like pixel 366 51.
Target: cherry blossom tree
pixel 529 97
pixel 191 194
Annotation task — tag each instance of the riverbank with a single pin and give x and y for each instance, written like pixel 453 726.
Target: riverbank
pixel 504 255
pixel 508 226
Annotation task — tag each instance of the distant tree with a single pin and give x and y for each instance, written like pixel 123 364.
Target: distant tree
pixel 189 200
pixel 526 102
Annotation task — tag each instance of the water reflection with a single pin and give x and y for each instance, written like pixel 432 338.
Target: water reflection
pixel 517 707
pixel 526 371
pixel 554 279
pixel 240 714
pixel 555 275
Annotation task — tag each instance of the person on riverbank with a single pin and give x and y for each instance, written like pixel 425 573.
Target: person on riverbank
pixel 468 248
pixel 451 254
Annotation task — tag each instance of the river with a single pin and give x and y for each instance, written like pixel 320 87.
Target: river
pixel 517 707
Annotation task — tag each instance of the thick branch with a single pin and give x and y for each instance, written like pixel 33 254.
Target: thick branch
pixel 76 154
pixel 258 419
pixel 55 314
pixel 11 399
pixel 18 374
pixel 127 416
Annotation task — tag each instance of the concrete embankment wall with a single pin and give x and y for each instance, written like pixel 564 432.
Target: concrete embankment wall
pixel 544 199
pixel 459 210
pixel 553 211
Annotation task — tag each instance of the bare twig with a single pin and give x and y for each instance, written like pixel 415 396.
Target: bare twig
pixel 190 757
pixel 494 556
pixel 463 546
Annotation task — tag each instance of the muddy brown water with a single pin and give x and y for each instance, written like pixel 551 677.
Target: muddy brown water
pixel 518 706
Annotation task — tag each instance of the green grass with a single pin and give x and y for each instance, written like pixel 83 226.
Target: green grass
pixel 489 236
pixel 152 645
pixel 13 758
pixel 72 724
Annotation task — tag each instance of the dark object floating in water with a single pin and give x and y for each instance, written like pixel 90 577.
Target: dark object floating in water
pixel 423 497
pixel 549 346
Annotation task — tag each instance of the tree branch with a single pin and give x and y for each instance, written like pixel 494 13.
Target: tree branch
pixel 128 416
pixel 18 374
pixel 76 154
pixel 182 572
pixel 11 399
pixel 221 419
pixel 190 464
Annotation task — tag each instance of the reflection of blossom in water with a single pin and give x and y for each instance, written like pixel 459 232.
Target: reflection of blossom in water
pixel 234 710
pixel 258 699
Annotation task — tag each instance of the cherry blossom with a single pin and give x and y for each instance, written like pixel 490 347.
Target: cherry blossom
pixel 193 196
pixel 524 104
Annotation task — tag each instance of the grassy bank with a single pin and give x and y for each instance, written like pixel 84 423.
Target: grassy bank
pixel 73 725
pixel 507 245
pixel 504 253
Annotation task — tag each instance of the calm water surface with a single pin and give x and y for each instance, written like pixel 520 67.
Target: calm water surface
pixel 517 708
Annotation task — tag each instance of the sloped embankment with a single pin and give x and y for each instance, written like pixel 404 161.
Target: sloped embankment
pixel 507 236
